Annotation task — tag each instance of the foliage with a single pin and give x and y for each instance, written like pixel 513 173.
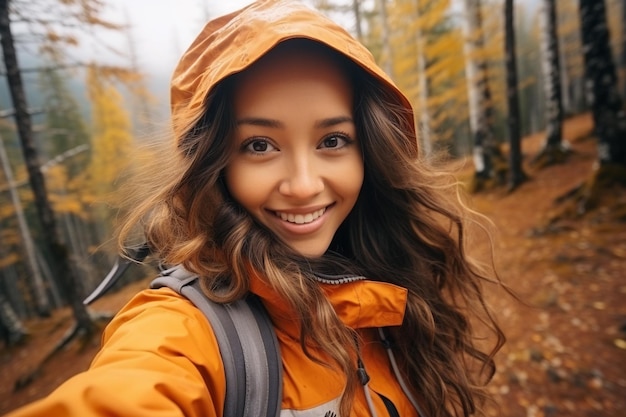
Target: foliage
pixel 65 128
pixel 53 25
pixel 445 65
pixel 46 32
pixel 112 133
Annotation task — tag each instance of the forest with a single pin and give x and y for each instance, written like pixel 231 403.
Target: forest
pixel 524 98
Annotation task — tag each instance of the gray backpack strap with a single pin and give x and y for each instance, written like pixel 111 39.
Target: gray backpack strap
pixel 248 347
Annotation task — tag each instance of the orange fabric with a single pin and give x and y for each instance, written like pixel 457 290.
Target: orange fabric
pixel 160 357
pixel 231 43
pixel 363 305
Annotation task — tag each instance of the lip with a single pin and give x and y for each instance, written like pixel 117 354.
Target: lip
pixel 300 229
pixel 301 210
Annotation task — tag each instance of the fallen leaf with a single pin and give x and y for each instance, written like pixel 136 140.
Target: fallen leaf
pixel 620 343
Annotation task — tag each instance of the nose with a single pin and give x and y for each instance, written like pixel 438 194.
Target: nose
pixel 302 180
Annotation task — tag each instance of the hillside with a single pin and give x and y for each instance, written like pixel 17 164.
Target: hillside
pixel 566 345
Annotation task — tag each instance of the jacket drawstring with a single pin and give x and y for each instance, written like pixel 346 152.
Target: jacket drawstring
pixel 364 378
pixel 387 345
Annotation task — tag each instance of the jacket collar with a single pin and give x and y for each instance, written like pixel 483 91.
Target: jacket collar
pixel 359 304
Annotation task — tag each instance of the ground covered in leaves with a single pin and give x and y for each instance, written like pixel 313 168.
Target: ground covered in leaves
pixel 566 348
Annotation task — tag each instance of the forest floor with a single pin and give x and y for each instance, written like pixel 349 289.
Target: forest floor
pixel 566 343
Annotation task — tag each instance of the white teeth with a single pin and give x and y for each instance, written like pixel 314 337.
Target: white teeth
pixel 300 218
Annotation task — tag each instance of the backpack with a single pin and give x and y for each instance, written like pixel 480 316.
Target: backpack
pixel 246 338
pixel 247 343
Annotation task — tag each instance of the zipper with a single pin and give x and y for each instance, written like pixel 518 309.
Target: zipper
pixel 337 279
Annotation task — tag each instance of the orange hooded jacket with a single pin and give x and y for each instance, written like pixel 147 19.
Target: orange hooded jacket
pixel 159 355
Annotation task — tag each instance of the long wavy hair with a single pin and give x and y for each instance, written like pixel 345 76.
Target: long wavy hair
pixel 408 228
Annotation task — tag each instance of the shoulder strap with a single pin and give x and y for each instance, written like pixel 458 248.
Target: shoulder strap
pixel 247 342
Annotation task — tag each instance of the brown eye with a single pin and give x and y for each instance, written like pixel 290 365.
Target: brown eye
pixel 258 146
pixel 335 141
pixel 331 142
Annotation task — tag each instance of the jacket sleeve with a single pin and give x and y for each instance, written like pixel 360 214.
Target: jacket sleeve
pixel 159 357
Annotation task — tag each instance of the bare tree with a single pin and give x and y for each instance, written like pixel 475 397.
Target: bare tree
pixel 516 173
pixel 38 284
pixel 85 13
pixel 602 89
pixel 51 239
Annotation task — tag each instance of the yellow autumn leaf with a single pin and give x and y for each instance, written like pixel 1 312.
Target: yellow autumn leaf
pixel 620 343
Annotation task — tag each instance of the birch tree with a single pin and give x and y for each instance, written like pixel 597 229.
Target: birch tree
pixel 487 155
pixel 424 116
pixel 38 285
pixel 554 149
pixel 356 9
pixel 571 58
pixel 429 67
pixel 385 32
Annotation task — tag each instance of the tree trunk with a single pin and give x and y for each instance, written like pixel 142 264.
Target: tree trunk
pixel 10 285
pixel 516 173
pixel 554 150
pixel 602 89
pixel 566 91
pixel 51 238
pixel 387 52
pixel 623 54
pixel 424 116
pixel 486 152
pixel 552 75
pixel 38 284
pixel 356 8
pixel 11 328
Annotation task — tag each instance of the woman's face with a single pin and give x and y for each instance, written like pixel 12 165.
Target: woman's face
pixel 297 165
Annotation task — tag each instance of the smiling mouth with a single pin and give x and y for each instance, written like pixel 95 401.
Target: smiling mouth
pixel 301 218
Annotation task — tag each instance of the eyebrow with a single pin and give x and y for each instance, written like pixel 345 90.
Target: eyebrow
pixel 324 123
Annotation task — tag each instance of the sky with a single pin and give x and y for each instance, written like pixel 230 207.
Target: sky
pixel 161 30
pixel 165 28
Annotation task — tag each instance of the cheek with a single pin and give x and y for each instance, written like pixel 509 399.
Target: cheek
pixel 246 185
pixel 352 178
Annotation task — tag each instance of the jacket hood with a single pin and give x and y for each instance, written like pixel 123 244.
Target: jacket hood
pixel 231 43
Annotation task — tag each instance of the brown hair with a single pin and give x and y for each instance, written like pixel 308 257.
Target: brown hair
pixel 408 228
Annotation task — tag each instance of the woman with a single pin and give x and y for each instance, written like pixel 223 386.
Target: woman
pixel 296 176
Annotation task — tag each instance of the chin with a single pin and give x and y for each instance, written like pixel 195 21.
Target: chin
pixel 311 254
